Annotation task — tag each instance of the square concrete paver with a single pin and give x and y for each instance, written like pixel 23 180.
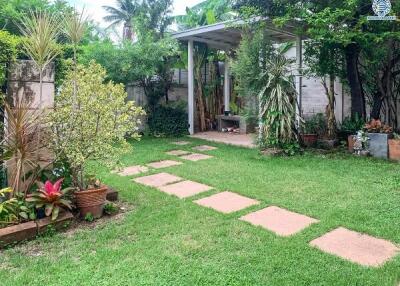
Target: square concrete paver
pixel 181 143
pixel 177 152
pixel 185 189
pixel 196 157
pixel 204 148
pixel 356 247
pixel 278 220
pixel 133 170
pixel 227 202
pixel 158 180
pixel 164 164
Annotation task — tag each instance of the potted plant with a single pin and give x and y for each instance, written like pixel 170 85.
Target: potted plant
pixel 379 135
pixel 313 128
pixel 91 121
pixel 394 147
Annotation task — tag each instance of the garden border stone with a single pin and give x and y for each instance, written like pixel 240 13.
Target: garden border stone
pixel 29 230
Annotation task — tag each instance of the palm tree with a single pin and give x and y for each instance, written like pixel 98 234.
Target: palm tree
pixel 124 13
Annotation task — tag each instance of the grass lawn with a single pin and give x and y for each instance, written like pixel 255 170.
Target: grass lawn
pixel 167 241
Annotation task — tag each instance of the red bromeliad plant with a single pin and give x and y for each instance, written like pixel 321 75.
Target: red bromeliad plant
pixel 51 197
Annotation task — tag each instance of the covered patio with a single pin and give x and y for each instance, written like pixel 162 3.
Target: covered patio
pixel 226 36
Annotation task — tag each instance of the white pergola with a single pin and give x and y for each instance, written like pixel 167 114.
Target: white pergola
pixel 226 36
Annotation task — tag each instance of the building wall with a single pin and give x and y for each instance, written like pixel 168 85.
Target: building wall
pixel 24 81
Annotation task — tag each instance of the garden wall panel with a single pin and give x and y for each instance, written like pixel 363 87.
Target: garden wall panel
pixel 24 81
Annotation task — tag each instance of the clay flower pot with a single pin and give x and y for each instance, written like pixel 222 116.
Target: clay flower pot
pixel 394 149
pixel 309 140
pixel 91 201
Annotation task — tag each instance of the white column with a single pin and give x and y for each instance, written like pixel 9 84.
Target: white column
pixel 299 78
pixel 191 86
pixel 227 86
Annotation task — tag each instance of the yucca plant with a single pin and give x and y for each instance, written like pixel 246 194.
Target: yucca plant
pixel 277 100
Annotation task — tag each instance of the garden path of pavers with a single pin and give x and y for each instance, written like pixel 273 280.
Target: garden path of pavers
pixel 347 244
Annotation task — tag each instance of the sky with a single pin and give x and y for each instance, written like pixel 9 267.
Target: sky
pixel 96 12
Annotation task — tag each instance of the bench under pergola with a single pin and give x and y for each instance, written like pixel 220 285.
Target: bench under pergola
pixel 226 36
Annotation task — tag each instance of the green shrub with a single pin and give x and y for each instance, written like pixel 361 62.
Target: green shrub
pixel 168 120
pixel 8 48
pixel 316 124
pixel 352 124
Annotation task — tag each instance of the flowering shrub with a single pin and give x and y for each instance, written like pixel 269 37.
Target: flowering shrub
pixel 92 120
pixel 51 197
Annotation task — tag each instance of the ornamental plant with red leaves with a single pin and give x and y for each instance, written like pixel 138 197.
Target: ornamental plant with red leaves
pixel 51 197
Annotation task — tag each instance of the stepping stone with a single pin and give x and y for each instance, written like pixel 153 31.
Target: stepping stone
pixel 133 170
pixel 181 143
pixel 204 148
pixel 164 164
pixel 185 189
pixel 227 202
pixel 278 220
pixel 356 247
pixel 158 180
pixel 196 157
pixel 177 152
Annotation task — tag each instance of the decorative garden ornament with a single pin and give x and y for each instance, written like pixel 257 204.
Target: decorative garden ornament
pixel 360 143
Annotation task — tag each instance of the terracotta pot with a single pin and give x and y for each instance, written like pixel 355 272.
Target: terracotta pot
pixel 350 143
pixel 91 201
pixel 394 149
pixel 309 140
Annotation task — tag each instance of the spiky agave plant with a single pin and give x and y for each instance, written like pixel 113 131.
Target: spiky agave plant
pixel 277 100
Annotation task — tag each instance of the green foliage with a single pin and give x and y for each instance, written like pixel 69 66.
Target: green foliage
pixel 129 63
pixel 51 197
pixel 277 99
pixel 89 217
pixel 166 120
pixel 352 124
pixel 94 124
pixel 316 124
pixel 205 13
pixel 15 209
pixel 110 208
pixel 8 48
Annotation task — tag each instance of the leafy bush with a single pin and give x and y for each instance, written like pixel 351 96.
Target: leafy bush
pixel 14 209
pixel 352 124
pixel 8 48
pixel 168 121
pixel 316 124
pixel 92 123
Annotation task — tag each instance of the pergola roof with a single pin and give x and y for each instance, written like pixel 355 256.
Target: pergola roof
pixel 227 35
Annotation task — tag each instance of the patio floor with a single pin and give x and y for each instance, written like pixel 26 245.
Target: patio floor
pixel 243 140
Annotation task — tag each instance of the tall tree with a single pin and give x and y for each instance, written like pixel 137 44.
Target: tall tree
pixel 124 12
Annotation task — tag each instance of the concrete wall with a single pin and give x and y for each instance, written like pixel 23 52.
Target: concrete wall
pixel 24 81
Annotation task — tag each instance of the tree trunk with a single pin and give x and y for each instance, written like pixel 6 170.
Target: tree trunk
pixel 357 95
pixel 200 99
pixel 330 109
